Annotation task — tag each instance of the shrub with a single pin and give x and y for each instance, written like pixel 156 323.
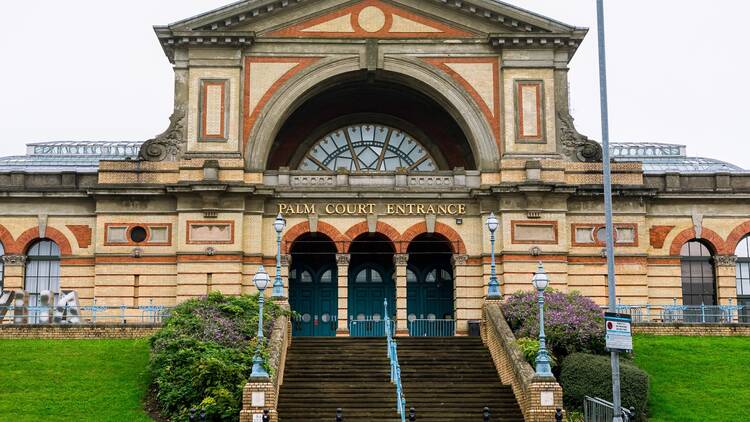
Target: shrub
pixel 202 357
pixel 530 347
pixel 572 322
pixel 589 375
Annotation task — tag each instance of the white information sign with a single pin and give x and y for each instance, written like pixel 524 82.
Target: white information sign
pixel 618 331
pixel 258 399
pixel 257 417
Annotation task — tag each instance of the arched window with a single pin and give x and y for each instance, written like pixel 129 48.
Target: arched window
pixel 42 270
pixel 698 280
pixel 2 268
pixel 368 147
pixel 743 276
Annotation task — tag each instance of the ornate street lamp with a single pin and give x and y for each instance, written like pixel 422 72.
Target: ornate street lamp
pixel 278 285
pixel 261 280
pixel 541 281
pixel 494 287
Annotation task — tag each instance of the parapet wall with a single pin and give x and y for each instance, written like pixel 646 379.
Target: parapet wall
pixel 70 331
pixel 693 330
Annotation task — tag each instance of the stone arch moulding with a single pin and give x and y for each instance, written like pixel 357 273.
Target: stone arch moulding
pixel 735 236
pixel 27 238
pixel 457 243
pixel 324 228
pixel 383 228
pixel 420 75
pixel 715 242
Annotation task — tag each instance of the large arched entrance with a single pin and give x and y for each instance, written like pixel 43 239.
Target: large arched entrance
pixel 313 286
pixel 371 281
pixel 429 287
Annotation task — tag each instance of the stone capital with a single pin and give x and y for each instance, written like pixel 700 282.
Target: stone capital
pixel 14 260
pixel 286 260
pixel 343 259
pixel 459 259
pixel 726 260
pixel 401 259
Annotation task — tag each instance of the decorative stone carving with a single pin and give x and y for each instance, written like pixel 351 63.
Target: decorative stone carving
pixel 286 260
pixel 342 259
pixel 457 260
pixel 136 253
pixel 726 260
pixel 401 259
pixel 210 251
pixel 697 224
pixel 168 146
pixel 576 146
pixel 535 251
pixel 11 260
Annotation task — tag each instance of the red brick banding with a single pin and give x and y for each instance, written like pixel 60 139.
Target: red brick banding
pixel 658 234
pixel 27 238
pixel 457 243
pixel 324 228
pixel 383 228
pixel 735 236
pixel 82 234
pixel 714 241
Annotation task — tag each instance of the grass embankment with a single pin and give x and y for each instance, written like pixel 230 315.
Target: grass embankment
pixel 73 380
pixel 696 378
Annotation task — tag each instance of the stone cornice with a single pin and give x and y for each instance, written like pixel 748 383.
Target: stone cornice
pixel 170 40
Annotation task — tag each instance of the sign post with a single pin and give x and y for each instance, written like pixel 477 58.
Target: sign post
pixel 619 334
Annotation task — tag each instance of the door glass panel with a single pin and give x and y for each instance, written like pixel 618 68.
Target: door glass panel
pixel 411 277
pixel 445 275
pixel 306 277
pixel 431 276
pixel 376 278
pixel 327 277
pixel 361 277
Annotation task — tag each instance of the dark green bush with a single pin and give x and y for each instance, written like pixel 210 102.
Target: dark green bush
pixel 591 375
pixel 202 357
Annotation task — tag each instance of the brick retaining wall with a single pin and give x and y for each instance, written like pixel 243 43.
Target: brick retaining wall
pixel 70 331
pixel 693 330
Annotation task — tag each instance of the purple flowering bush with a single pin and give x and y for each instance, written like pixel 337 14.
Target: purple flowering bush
pixel 572 322
pixel 202 357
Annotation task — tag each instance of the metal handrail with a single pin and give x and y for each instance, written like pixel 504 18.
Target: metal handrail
pixel 600 410
pixel 395 367
pixel 82 315
pixel 695 314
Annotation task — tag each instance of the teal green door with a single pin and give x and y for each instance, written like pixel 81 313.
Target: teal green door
pixel 369 286
pixel 429 296
pixel 313 296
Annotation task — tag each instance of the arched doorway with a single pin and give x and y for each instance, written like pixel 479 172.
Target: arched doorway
pixel 429 287
pixel 313 286
pixel 371 273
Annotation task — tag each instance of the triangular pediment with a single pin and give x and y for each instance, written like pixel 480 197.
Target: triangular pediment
pixel 396 18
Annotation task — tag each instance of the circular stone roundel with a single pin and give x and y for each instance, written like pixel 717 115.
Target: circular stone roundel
pixel 371 19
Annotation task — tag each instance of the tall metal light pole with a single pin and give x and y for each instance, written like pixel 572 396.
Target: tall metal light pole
pixel 261 280
pixel 278 285
pixel 615 357
pixel 541 281
pixel 493 291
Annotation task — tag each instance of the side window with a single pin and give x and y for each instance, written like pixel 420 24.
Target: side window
pixel 698 278
pixel 2 268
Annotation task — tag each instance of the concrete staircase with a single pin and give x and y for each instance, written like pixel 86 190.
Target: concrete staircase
pixel 453 379
pixel 445 379
pixel 323 374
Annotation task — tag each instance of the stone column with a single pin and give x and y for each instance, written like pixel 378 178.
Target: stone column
pixel 461 300
pixel 13 270
pixel 342 263
pixel 400 261
pixel 726 279
pixel 286 264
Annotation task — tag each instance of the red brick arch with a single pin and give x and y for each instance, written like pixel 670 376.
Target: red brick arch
pixel 9 245
pixel 735 236
pixel 383 228
pixel 709 236
pixel 27 238
pixel 303 228
pixel 457 243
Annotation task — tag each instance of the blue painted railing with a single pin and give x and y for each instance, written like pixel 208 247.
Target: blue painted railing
pixel 370 327
pixel 395 367
pixel 93 314
pixel 432 328
pixel 695 314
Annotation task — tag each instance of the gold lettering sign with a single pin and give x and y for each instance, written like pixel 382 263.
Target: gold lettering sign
pixel 372 208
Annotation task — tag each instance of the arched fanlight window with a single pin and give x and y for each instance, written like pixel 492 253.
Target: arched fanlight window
pixel 2 268
pixel 368 147
pixel 42 271
pixel 743 277
pixel 698 278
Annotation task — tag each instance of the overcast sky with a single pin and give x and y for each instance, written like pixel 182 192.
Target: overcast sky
pixel 93 70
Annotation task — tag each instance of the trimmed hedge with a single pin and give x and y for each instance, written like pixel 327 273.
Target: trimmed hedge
pixel 591 375
pixel 202 357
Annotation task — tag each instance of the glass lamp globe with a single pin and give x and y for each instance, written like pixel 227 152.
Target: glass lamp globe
pixel 261 279
pixel 279 224
pixel 540 280
pixel 492 222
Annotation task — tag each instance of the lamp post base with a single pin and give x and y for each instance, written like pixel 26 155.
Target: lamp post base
pixel 258 370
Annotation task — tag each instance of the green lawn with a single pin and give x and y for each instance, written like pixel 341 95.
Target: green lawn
pixel 73 380
pixel 696 378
